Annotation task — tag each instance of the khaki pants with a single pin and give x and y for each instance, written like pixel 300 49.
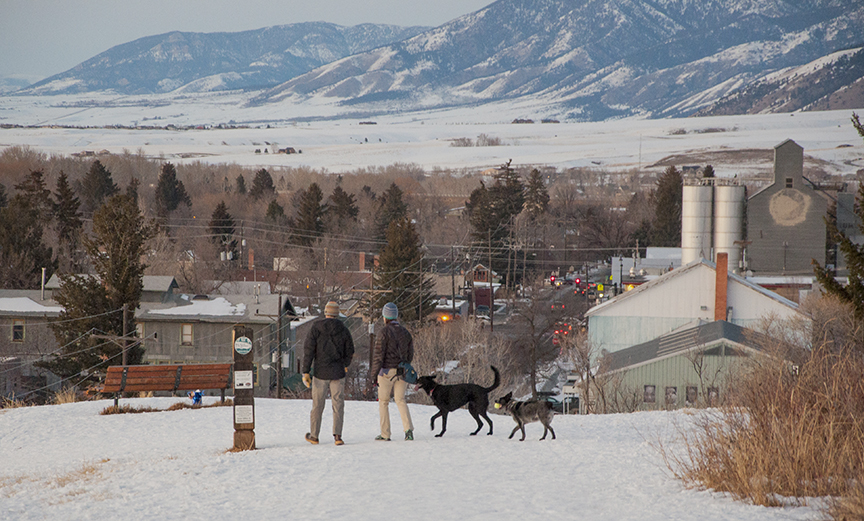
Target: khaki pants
pixel 319 396
pixel 397 386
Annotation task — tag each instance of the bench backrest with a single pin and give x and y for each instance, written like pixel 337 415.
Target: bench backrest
pixel 168 377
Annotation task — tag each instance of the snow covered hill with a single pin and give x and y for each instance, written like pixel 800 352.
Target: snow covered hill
pixel 68 462
pixel 202 62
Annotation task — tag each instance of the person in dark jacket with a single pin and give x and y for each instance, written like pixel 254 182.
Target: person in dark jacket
pixel 330 347
pixel 393 345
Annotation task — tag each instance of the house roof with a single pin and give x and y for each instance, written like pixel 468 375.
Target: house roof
pixel 20 303
pixel 248 309
pixel 152 283
pixel 666 277
pixel 702 336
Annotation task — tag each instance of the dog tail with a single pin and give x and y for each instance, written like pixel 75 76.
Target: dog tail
pixel 497 381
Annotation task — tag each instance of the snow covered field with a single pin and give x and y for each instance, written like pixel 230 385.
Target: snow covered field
pixel 68 462
pixel 424 138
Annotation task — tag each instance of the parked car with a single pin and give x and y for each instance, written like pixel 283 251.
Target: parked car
pixel 482 311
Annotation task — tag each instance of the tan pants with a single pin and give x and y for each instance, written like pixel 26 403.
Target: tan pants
pixel 319 396
pixel 397 386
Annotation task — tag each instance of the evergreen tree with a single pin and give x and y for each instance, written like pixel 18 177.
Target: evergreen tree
pixel 222 227
pixel 262 185
pixel 536 195
pixel 399 273
pixel 67 214
pixel 240 185
pixel 36 196
pixel 23 252
pixel 275 212
pixel 708 172
pixel 491 212
pixel 4 199
pixel 341 208
pixel 132 189
pixel 666 228
pixel 96 186
pixel 853 292
pixel 390 208
pixel 170 192
pixel 310 215
pixel 95 303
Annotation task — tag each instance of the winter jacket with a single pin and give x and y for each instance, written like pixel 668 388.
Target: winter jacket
pixel 330 346
pixel 393 345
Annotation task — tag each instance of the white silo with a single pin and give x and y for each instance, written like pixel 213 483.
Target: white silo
pixel 696 221
pixel 729 221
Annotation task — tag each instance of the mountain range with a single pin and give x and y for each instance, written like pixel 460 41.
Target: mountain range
pixel 577 59
pixel 198 62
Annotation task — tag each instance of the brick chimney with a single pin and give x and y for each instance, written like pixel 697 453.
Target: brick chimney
pixel 720 286
pixel 251 259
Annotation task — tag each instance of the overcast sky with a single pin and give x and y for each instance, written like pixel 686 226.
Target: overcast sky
pixel 40 38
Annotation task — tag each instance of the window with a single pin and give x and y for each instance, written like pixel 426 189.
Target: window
pixel 186 334
pixel 139 330
pixel 713 396
pixel 692 393
pixel 18 330
pixel 788 182
pixel 671 396
pixel 648 394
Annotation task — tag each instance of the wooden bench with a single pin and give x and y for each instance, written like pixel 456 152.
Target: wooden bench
pixel 167 377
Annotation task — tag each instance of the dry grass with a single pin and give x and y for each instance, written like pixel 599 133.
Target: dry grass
pixel 129 409
pixel 68 395
pixel 12 403
pixel 851 506
pixel 796 432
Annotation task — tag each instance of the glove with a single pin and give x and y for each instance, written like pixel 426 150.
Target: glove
pixel 307 379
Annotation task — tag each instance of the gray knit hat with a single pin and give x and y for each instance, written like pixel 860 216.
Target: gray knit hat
pixel 390 312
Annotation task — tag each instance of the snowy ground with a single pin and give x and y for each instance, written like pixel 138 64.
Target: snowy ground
pixel 68 462
pixel 423 138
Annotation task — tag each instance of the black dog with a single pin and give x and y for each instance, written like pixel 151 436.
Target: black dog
pixel 448 398
pixel 527 412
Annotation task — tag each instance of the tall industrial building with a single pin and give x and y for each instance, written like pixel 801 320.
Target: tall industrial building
pixel 786 220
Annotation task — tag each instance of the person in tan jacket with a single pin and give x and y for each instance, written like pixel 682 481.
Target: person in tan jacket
pixel 393 345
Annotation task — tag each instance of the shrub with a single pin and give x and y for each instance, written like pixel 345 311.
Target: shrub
pixel 791 430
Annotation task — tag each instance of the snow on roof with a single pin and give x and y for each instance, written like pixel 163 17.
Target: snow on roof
pixel 26 305
pixel 219 306
pixel 678 272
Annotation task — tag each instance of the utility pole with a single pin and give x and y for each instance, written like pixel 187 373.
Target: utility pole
pixel 125 313
pixel 453 280
pixel 420 294
pixel 279 349
pixel 491 289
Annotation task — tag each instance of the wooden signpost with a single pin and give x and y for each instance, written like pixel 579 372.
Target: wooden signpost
pixel 244 400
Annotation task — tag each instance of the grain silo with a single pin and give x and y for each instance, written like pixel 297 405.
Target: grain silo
pixel 697 204
pixel 728 221
pixel 712 219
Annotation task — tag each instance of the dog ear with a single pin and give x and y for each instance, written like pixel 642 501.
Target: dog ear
pixel 432 376
pixel 508 396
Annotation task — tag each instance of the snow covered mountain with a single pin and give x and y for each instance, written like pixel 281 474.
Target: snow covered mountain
pixel 198 62
pixel 833 82
pixel 565 59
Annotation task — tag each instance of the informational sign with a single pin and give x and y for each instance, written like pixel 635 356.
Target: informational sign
pixel 243 345
pixel 243 379
pixel 244 414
